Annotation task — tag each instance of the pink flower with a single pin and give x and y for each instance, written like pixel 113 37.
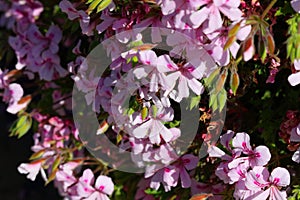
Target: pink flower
pixel 31 169
pixel 103 186
pixel 266 186
pixel 185 77
pixel 212 13
pixel 64 177
pixel 179 169
pixel 154 128
pixel 218 40
pixel 260 156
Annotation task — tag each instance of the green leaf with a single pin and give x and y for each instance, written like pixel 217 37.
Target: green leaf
pixel 22 130
pixel 222 98
pixel 174 124
pixel 97 5
pixel 103 5
pixel 21 126
pixel 56 162
pixel 152 191
pixel 209 81
pixel 234 81
pixel 37 155
pixel 194 102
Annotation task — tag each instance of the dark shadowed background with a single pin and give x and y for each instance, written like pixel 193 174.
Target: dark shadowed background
pixel 13 151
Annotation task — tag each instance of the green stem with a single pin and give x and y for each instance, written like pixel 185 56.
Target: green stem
pixel 268 9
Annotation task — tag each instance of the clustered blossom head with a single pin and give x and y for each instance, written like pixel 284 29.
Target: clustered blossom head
pixel 53 137
pixel 84 187
pixel 38 52
pixel 245 168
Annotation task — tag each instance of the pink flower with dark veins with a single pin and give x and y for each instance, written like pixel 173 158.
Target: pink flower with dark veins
pixel 154 128
pixel 183 77
pixel 103 186
pixel 265 185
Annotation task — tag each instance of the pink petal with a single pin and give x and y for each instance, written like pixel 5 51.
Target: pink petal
pixel 165 64
pixel 256 179
pixel 219 2
pixel 280 177
pixel 104 184
pixel 242 141
pixel 171 175
pixel 190 161
pixel 142 130
pixel 165 133
pixel 185 179
pixel 30 169
pixel 233 14
pixel 294 79
pixel 148 57
pixel 87 177
pixel 296 5
pixel 215 20
pixel 262 156
pixel 215 152
pixel 297 64
pixel 260 195
pixel 296 156
pixel 195 86
pixel 226 138
pixel 183 90
pixel 276 194
pixel 197 18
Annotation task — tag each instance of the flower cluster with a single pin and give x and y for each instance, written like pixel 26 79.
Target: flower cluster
pixel 245 168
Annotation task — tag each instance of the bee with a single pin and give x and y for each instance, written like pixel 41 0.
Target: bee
pixel 139 100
